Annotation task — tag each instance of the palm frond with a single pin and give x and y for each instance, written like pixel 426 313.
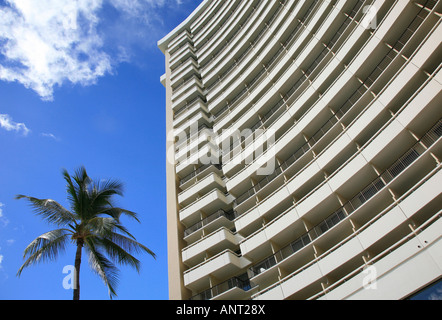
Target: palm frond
pixel 71 189
pixel 116 213
pixel 108 187
pixel 130 245
pixel 118 254
pixel 82 205
pixel 101 226
pixel 102 266
pixel 50 210
pixel 45 247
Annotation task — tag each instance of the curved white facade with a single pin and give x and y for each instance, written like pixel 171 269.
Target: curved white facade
pixel 304 149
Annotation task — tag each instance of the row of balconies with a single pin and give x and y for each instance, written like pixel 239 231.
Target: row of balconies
pixel 204 21
pixel 212 46
pixel 369 78
pixel 254 17
pixel 333 263
pixel 411 253
pixel 193 78
pixel 266 99
pixel 352 11
pixel 333 15
pixel 315 245
pixel 292 74
pixel 311 143
pixel 182 47
pixel 310 174
pixel 248 45
pixel 254 62
pixel 222 18
pixel 287 222
pixel 199 27
pixel 259 271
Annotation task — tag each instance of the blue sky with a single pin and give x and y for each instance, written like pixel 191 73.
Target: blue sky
pixel 79 85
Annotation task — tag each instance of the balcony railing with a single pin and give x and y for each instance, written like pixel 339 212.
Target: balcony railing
pixel 199 170
pixel 187 80
pixel 187 106
pixel 180 142
pixel 230 215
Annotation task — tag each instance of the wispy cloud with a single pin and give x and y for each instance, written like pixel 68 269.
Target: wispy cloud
pixel 47 43
pixel 50 136
pixel 3 220
pixel 8 124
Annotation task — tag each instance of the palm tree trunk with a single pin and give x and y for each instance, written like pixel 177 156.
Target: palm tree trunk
pixel 77 269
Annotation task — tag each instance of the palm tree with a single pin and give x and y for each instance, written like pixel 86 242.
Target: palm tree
pixel 93 222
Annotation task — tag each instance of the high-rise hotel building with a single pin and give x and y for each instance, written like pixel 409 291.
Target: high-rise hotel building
pixel 304 149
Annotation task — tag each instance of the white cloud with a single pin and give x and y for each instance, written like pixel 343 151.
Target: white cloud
pixel 47 43
pixel 8 124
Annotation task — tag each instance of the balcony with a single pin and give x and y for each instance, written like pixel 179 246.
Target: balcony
pixel 221 266
pixel 185 52
pixel 185 88
pixel 202 186
pixel 207 154
pixel 189 112
pixel 196 141
pixel 217 241
pixel 207 225
pixel 210 202
pixel 198 174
